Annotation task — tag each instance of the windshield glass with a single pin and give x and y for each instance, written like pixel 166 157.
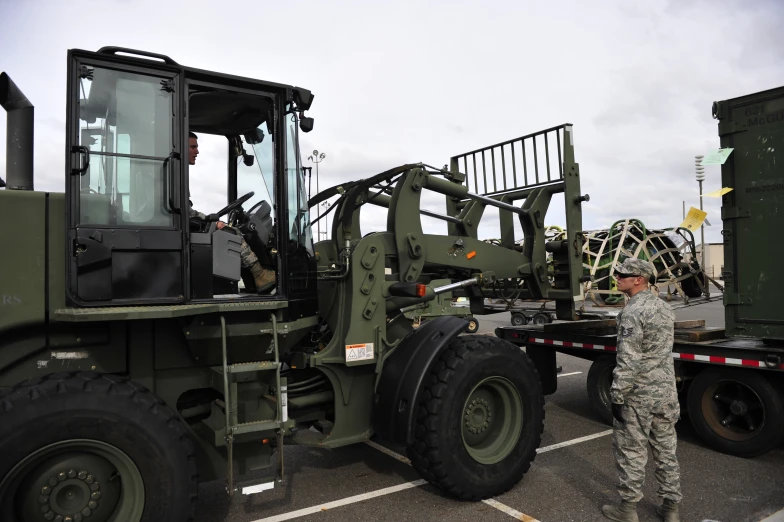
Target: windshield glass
pixel 299 216
pixel 259 177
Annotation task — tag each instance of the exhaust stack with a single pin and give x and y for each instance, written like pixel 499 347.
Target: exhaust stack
pixel 19 135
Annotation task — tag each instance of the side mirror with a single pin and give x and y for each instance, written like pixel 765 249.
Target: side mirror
pixel 247 159
pixel 305 124
pixel 2 183
pixel 254 137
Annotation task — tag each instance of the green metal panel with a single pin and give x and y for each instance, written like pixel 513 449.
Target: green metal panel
pixel 752 214
pixel 23 261
pixel 57 250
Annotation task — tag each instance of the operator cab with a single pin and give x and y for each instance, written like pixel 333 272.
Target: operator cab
pixel 132 234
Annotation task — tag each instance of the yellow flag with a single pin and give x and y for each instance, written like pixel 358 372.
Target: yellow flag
pixel 718 193
pixel 694 219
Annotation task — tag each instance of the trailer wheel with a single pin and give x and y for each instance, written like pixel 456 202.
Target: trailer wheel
pixel 519 319
pixel 736 411
pixel 472 326
pixel 600 378
pixel 540 319
pixel 93 447
pixel 480 420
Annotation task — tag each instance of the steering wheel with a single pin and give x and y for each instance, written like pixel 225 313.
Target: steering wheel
pixel 231 206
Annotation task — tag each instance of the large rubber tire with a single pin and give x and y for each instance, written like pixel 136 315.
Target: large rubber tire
pixel 713 395
pixel 691 286
pixel 443 451
pixel 606 284
pixel 66 435
pixel 599 381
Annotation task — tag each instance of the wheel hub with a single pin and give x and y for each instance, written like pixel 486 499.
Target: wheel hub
pixel 739 408
pixel 478 416
pixel 70 496
pixel 492 420
pixel 71 487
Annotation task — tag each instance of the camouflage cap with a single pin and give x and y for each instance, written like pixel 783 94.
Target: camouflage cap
pixel 636 267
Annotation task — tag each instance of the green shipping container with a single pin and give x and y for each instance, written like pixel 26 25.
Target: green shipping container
pixel 753 213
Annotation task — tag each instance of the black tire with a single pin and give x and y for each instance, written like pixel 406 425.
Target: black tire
pixel 691 286
pixel 519 319
pixel 599 380
pixel 606 284
pixel 541 319
pixel 439 452
pixel 710 401
pixel 97 426
pixel 472 326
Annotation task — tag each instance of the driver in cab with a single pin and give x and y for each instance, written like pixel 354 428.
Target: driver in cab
pixel 264 279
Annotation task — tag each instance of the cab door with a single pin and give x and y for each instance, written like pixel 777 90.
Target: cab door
pixel 124 194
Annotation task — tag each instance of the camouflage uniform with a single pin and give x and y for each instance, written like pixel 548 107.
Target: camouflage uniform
pixel 247 257
pixel 644 382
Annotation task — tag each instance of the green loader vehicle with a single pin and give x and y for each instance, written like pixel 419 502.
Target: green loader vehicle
pixel 133 363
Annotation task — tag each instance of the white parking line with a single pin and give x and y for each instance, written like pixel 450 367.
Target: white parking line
pixel 416 483
pixel 343 502
pixel 490 502
pixel 388 451
pixel 509 511
pixel 574 441
pixel 568 374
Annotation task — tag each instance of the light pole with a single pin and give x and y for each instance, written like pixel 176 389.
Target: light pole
pixel 325 204
pixel 317 158
pixel 700 174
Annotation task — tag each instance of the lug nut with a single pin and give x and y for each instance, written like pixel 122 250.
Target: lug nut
pixel 82 475
pixel 89 479
pixel 87 512
pixel 92 504
pixel 45 490
pixel 62 476
pixel 43 499
pixel 77 517
pixel 96 495
pixel 49 515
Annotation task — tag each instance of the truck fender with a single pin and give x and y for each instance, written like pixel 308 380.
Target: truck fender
pixel 400 385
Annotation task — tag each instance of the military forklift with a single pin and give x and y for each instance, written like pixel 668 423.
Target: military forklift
pixel 134 365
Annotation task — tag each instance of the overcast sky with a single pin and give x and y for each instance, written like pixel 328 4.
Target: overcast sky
pixel 406 81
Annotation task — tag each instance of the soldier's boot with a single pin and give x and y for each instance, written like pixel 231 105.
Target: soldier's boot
pixel 264 279
pixel 669 511
pixel 624 512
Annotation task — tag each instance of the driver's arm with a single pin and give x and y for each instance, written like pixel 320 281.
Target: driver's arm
pixel 195 213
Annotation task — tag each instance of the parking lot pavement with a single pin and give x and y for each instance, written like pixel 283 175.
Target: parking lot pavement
pixel 572 476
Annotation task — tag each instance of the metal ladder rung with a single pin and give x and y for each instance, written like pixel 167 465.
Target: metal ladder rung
pixel 258 366
pixel 251 427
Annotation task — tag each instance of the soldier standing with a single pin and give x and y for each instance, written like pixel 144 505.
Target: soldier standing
pixel 644 397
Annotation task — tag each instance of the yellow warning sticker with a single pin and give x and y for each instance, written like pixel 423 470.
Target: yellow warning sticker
pixel 694 219
pixel 359 352
pixel 718 193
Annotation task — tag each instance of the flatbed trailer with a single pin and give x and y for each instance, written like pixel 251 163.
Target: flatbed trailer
pixel 731 388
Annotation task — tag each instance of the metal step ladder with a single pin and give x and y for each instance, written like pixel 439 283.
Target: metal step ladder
pixel 233 427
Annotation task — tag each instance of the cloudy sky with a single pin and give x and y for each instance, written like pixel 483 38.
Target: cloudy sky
pixel 407 81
